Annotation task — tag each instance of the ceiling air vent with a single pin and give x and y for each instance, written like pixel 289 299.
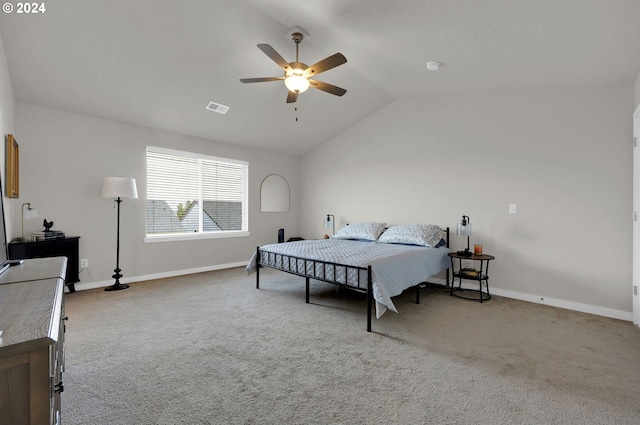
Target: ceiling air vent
pixel 217 107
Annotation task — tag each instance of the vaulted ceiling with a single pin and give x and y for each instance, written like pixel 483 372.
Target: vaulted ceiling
pixel 158 63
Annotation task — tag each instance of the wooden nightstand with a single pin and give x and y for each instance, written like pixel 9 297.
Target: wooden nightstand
pixel 481 275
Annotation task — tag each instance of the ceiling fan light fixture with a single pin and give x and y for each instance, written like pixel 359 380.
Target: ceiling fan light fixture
pixel 297 74
pixel 296 83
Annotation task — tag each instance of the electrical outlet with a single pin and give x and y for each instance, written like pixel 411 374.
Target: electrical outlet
pixel 513 208
pixel 84 263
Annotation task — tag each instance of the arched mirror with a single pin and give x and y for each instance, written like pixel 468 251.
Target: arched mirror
pixel 274 194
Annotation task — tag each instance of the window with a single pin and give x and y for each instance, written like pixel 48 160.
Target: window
pixel 195 196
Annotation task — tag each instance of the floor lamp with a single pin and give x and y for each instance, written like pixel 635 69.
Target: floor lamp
pixel 118 188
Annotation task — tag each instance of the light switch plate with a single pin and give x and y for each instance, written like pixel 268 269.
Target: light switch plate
pixel 513 208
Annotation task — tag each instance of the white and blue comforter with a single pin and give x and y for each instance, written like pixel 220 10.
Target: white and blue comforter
pixel 394 267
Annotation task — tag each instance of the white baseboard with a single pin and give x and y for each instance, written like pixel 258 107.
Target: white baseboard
pixel 101 284
pixel 553 302
pixel 569 305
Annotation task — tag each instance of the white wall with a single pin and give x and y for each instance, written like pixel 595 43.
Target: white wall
pixel 63 160
pixel 562 155
pixel 7 108
pixel 637 87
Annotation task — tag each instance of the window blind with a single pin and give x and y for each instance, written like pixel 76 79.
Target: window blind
pixel 189 193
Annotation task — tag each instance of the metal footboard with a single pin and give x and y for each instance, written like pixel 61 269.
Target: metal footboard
pixel 319 270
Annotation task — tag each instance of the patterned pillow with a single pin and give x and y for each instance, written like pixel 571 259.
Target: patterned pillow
pixel 368 231
pixel 413 234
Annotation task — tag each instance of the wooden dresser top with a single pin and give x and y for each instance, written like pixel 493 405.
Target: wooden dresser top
pixel 30 305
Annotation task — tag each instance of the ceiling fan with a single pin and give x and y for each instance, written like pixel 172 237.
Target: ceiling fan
pixel 297 75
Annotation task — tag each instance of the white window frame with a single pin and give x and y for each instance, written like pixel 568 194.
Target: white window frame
pixel 204 234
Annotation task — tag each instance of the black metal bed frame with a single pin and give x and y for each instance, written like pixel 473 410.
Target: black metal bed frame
pixel 309 263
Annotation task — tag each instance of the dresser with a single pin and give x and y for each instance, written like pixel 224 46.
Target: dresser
pixel 32 321
pixel 62 247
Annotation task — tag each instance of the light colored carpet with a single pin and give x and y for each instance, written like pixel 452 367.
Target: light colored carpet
pixel 211 349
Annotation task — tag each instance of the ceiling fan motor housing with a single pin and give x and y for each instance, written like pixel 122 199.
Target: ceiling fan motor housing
pixel 297 68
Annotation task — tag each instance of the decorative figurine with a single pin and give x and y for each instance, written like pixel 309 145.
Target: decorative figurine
pixel 47 225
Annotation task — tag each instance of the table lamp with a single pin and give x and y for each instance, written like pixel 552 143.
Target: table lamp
pixel 464 229
pixel 29 213
pixel 330 223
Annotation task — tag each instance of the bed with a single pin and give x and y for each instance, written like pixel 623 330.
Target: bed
pixel 365 257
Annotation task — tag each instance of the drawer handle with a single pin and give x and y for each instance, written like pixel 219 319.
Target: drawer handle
pixel 59 388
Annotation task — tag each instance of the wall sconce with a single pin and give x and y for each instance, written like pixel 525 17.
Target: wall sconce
pixel 464 229
pixel 330 223
pixel 29 214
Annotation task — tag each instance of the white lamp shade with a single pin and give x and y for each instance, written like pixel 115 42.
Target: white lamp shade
pixel 29 213
pixel 328 222
pixel 119 187
pixel 463 230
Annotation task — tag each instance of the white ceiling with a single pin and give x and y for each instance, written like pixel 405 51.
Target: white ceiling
pixel 158 63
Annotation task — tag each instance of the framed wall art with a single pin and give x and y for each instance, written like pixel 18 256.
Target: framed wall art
pixel 12 189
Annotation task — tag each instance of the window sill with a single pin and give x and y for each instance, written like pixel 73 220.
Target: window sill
pixel 195 236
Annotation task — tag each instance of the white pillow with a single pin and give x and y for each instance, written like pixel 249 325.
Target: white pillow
pixel 368 231
pixel 413 234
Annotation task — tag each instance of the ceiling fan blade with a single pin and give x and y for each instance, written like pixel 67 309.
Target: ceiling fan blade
pixel 275 56
pixel 325 65
pixel 292 97
pixel 329 88
pixel 261 79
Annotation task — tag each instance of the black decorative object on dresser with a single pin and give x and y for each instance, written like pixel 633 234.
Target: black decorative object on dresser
pixel 57 247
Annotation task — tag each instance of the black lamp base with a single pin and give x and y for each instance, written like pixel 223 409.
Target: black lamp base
pixel 465 253
pixel 116 287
